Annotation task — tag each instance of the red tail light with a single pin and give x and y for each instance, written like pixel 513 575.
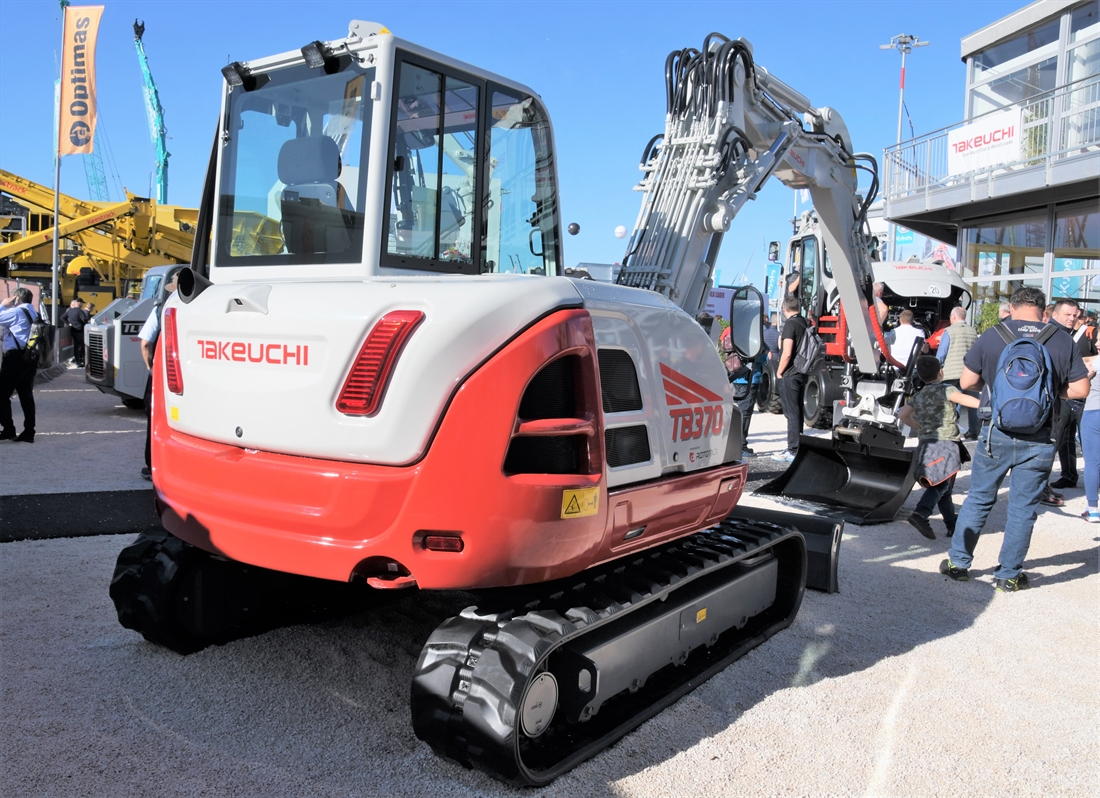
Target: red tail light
pixel 172 353
pixel 363 389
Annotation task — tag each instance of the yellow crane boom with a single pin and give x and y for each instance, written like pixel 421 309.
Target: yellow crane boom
pixel 119 241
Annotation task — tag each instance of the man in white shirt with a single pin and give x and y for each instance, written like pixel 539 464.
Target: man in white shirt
pixel 17 372
pixel 904 336
pixel 150 332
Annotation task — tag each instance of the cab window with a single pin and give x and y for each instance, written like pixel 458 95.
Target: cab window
pixel 152 286
pixel 520 201
pixel 471 177
pixel 808 287
pixel 293 169
pixel 433 192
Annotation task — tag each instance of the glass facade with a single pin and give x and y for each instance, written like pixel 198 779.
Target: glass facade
pixel 1056 250
pixel 1054 52
pixel 1055 247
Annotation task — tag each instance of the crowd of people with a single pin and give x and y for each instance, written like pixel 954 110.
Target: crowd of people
pixel 960 373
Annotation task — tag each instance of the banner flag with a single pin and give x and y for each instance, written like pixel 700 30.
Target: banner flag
pixel 76 132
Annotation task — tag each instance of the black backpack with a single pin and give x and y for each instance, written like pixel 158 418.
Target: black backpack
pixel 810 353
pixel 39 345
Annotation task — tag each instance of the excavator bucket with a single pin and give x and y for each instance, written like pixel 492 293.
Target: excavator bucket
pixel 863 475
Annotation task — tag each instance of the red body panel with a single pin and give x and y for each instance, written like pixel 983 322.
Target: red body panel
pixel 335 519
pixel 834 334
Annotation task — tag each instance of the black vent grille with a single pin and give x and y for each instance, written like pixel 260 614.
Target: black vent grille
pixel 551 393
pixel 619 382
pixel 94 355
pixel 627 445
pixel 559 454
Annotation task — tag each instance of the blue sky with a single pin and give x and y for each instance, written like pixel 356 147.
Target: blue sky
pixel 598 66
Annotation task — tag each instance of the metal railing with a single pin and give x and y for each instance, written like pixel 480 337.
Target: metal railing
pixel 1057 124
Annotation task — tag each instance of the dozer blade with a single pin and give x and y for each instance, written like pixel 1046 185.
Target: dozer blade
pixel 822 536
pixel 865 480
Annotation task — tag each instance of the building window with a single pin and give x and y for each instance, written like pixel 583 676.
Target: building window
pixel 1007 56
pixel 982 291
pixel 1035 61
pixel 1014 247
pixel 1016 87
pixel 1076 253
pixel 1085 23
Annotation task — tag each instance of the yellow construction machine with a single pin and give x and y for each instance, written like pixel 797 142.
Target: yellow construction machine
pixel 107 247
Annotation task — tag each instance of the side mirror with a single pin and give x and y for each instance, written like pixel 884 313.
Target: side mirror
pixel 747 321
pixel 773 251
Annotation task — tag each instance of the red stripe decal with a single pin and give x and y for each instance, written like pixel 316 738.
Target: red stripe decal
pixel 691 385
pixel 674 390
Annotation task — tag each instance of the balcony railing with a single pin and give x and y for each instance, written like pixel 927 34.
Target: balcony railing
pixel 1058 124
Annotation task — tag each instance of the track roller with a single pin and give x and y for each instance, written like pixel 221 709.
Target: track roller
pixel 529 689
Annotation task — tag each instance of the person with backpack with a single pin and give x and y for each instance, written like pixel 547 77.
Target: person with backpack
pixel 792 380
pixel 1027 366
pixel 20 364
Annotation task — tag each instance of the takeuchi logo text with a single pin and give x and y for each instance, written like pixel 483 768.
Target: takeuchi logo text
pixel 241 352
pixel 985 140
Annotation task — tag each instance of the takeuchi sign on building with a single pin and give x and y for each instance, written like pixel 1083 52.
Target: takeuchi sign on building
pixel 992 140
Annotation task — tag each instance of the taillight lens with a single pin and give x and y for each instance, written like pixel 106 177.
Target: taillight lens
pixel 363 389
pixel 172 353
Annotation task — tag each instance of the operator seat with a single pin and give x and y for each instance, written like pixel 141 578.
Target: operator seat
pixel 312 222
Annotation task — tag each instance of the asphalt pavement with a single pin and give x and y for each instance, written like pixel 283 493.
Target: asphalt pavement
pixel 82 474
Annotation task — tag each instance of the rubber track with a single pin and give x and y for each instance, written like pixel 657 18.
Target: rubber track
pixel 183 598
pixel 474 670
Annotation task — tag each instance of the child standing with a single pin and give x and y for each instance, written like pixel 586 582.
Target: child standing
pixel 933 413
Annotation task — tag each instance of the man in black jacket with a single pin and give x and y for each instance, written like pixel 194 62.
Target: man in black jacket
pixel 792 382
pixel 76 317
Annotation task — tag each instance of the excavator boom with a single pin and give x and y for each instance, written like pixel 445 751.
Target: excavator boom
pixel 730 126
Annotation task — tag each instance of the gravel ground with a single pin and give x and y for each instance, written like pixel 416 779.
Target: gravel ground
pixel 902 684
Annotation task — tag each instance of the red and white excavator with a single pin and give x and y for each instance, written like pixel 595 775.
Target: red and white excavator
pixel 405 391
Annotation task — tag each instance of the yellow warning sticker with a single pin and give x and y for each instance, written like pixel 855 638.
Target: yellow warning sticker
pixel 175 413
pixel 701 615
pixel 579 503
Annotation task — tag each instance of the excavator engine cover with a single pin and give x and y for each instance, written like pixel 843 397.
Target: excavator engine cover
pixel 865 479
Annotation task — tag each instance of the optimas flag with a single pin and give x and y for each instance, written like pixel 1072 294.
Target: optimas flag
pixel 76 131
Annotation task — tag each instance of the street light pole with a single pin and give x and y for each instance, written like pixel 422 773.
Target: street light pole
pixel 903 43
